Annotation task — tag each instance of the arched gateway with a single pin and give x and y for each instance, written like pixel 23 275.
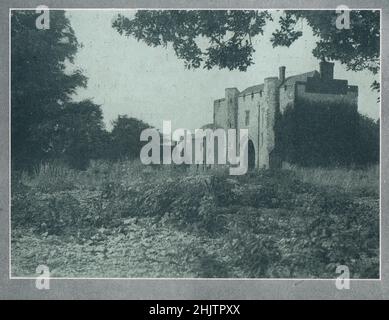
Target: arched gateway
pixel 251 155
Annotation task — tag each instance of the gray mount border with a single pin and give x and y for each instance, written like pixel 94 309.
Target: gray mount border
pixel 189 289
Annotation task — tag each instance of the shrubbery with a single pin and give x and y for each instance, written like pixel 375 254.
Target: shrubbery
pixel 326 134
pixel 274 224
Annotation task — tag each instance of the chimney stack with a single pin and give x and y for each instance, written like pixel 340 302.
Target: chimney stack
pixel 326 70
pixel 282 73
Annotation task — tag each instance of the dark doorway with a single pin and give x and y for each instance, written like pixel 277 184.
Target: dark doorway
pixel 251 155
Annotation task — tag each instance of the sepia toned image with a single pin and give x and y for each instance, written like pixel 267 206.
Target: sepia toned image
pixel 195 144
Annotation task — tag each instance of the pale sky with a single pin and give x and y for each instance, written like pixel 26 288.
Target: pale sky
pixel 128 77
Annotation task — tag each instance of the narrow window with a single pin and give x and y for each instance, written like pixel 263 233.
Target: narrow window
pixel 247 118
pixel 260 93
pixel 263 119
pixel 252 95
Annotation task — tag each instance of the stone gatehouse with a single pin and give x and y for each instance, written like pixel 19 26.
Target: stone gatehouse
pixel 255 108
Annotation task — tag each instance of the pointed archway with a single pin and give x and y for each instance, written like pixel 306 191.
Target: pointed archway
pixel 251 155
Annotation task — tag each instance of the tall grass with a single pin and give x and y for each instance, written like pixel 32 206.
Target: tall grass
pixel 274 224
pixel 364 182
pixel 49 177
pixel 53 177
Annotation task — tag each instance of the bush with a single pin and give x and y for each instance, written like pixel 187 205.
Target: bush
pixel 275 222
pixel 326 134
pixel 51 213
pixel 320 231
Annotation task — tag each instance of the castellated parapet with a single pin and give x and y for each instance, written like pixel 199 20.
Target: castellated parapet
pixel 256 107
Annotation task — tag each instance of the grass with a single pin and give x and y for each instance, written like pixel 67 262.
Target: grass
pixel 361 181
pixel 181 222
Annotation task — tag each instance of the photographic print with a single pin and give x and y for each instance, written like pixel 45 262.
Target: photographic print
pixel 195 143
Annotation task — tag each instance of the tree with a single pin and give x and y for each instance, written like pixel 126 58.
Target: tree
pixel 79 134
pixel 326 134
pixel 369 140
pixel 125 137
pixel 41 83
pixel 228 34
pixel 357 47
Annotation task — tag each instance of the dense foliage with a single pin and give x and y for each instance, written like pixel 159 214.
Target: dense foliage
pixel 326 134
pixel 39 59
pixel 47 125
pixel 124 137
pixel 228 33
pixel 41 84
pixel 265 224
pixel 357 47
pixel 223 38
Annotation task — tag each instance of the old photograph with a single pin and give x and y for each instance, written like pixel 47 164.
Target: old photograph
pixel 195 144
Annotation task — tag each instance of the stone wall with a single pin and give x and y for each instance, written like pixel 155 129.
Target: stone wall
pixel 350 98
pixel 220 113
pixel 250 103
pixel 264 102
pixel 287 96
pixel 267 121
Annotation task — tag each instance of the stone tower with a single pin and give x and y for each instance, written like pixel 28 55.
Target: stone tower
pixel 232 107
pixel 256 107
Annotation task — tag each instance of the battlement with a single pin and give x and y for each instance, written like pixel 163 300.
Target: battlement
pixel 256 107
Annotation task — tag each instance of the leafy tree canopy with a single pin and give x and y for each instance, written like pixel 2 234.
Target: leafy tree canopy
pixel 46 124
pixel 326 134
pixel 39 59
pixel 357 47
pixel 79 133
pixel 41 85
pixel 125 137
pixel 228 34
